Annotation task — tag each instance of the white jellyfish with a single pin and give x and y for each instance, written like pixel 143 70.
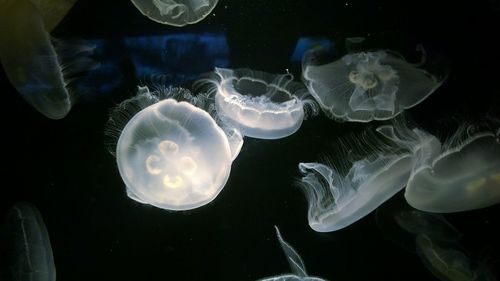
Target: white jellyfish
pixel 462 174
pixel 296 264
pixel 28 244
pixel 367 86
pixel 171 154
pixel 40 67
pixel 259 104
pixel 355 185
pixel 175 12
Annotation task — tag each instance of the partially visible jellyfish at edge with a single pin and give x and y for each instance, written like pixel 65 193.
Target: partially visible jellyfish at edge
pixel 366 86
pixel 296 264
pixel 28 245
pixel 365 172
pixel 259 104
pixel 437 245
pixel 175 12
pixel 170 153
pixel 40 67
pixel 461 174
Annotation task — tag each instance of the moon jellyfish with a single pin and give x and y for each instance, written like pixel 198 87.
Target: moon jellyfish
pixel 28 245
pixel 175 12
pixel 437 244
pixel 171 154
pixel 367 86
pixel 356 183
pixel 40 67
pixel 259 104
pixel 296 264
pixel 462 174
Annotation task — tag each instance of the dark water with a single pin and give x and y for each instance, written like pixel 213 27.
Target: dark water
pixel 97 233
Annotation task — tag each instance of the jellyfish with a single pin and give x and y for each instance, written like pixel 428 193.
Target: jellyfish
pixel 366 86
pixel 259 104
pixel 437 245
pixel 41 68
pixel 175 12
pixel 28 244
pixel 338 197
pixel 462 174
pixel 171 154
pixel 296 264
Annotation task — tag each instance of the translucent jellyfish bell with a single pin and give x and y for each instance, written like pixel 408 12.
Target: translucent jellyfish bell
pixel 338 198
pixel 366 86
pixel 171 154
pixel 28 244
pixel 175 12
pixel 38 66
pixel 463 174
pixel 296 264
pixel 258 104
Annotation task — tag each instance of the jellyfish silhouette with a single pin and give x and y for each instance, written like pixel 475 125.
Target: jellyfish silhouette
pixel 381 168
pixel 366 86
pixel 296 264
pixel 170 154
pixel 175 12
pixel 462 174
pixel 259 104
pixel 40 67
pixel 28 245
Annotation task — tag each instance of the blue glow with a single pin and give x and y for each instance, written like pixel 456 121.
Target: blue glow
pixel 306 43
pixel 181 57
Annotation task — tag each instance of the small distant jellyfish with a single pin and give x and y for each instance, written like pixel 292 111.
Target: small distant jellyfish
pixel 259 104
pixel 175 12
pixel 28 244
pixel 41 68
pixel 437 244
pixel 366 86
pixel 296 264
pixel 462 174
pixel 170 154
pixel 337 198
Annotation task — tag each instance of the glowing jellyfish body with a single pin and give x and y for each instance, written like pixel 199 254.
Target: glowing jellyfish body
pixel 296 264
pixel 367 86
pixel 259 104
pixel 172 154
pixel 30 249
pixel 32 63
pixel 175 12
pixel 338 199
pixel 457 177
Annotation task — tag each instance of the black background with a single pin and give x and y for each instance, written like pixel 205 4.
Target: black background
pixel 97 233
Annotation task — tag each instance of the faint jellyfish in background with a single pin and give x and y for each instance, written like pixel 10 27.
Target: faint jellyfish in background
pixel 259 104
pixel 175 12
pixel 40 67
pixel 170 153
pixel 296 264
pixel 366 172
pixel 366 86
pixel 462 174
pixel 437 245
pixel 53 11
pixel 29 252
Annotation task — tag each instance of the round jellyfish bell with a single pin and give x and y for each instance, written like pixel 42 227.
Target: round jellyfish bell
pixel 40 67
pixel 463 174
pixel 367 86
pixel 171 154
pixel 259 104
pixel 337 199
pixel 175 12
